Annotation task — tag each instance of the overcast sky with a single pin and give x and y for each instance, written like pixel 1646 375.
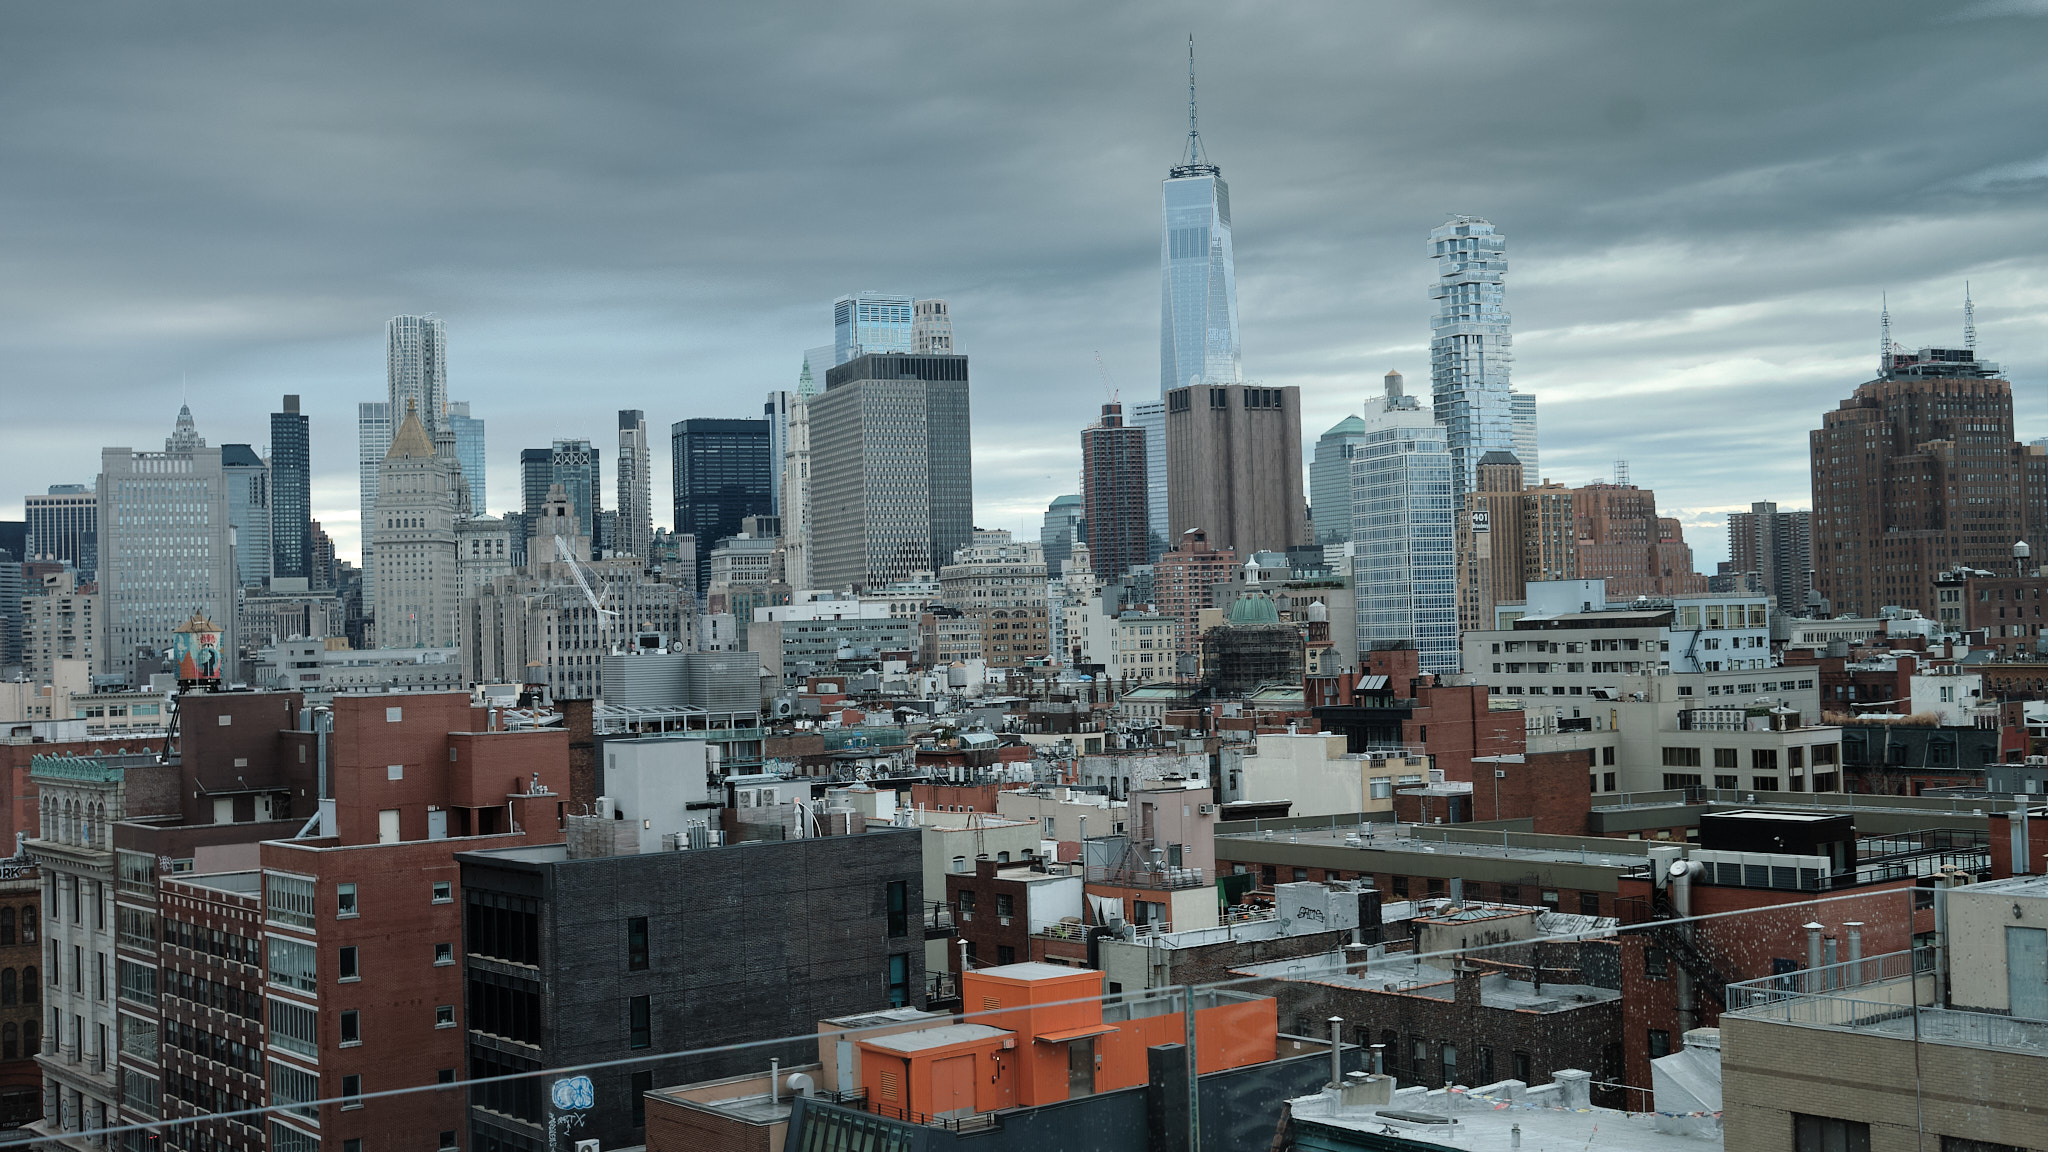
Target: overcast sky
pixel 652 206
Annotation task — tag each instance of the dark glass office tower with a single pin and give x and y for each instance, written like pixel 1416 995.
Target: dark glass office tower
pixel 291 495
pixel 722 473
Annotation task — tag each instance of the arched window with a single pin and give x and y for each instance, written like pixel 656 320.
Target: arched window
pixel 7 995
pixel 10 1040
pixel 31 1037
pixel 6 925
pixel 29 993
pixel 28 924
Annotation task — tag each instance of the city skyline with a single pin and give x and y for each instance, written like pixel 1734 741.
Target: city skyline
pixel 1736 337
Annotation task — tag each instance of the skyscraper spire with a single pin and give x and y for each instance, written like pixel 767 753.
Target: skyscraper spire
pixel 1194 153
pixel 1884 337
pixel 1969 319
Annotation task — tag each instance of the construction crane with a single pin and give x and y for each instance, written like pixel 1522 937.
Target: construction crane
pixel 567 554
pixel 1107 387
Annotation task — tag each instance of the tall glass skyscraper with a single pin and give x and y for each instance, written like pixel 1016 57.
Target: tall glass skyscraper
pixel 373 440
pixel 248 482
pixel 1197 303
pixel 416 369
pixel 1523 405
pixel 719 475
pixel 1329 480
pixel 870 322
pixel 1469 345
pixel 575 468
pixel 291 496
pixel 1404 532
pixel 469 450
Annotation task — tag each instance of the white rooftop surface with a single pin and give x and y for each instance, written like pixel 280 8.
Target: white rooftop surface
pixel 1033 970
pixel 934 1037
pixel 1483 1124
pixel 1401 974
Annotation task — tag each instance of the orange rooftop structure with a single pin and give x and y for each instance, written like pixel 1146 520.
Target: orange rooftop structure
pixel 1037 1034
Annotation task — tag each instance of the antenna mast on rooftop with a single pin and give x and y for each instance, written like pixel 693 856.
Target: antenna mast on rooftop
pixel 1969 319
pixel 1884 336
pixel 1194 134
pixel 1621 473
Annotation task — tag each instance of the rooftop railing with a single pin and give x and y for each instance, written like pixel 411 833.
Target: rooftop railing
pixel 1881 994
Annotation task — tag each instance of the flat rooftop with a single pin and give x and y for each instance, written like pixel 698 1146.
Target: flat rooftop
pixel 1033 970
pixel 1421 978
pixel 1487 1120
pixel 241 883
pixel 939 1037
pixel 1400 838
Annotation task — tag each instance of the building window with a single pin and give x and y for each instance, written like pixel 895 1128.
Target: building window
pixel 1589 903
pixel 138 983
pixel 444 954
pixel 1656 964
pixel 285 1138
pixel 347 968
pixel 1681 757
pixel 290 1086
pixel 1728 782
pixel 344 900
pixel 289 899
pixel 1763 759
pixel 899 908
pixel 640 1022
pixel 295 1027
pixel 1727 758
pixel 643 1083
pixel 1827 1134
pixel 899 980
pixel 1660 1043
pixel 352 1091
pixel 444 892
pixel 444 1016
pixel 1005 954
pixel 636 943
pixel 1521 1060
pixel 1764 783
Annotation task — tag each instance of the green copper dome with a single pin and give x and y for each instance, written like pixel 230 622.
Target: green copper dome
pixel 1254 609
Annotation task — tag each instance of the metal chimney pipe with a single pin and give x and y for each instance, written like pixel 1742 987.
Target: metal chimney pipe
pixel 1813 948
pixel 1336 1052
pixel 1855 928
pixel 774 1080
pixel 1379 1056
pixel 962 942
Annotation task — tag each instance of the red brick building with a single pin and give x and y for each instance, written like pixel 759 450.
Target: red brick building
pixel 1182 579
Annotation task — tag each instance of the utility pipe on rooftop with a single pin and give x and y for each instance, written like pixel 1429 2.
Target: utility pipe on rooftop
pixel 1336 1052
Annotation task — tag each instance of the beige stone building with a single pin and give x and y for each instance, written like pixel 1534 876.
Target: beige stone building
pixel 1233 466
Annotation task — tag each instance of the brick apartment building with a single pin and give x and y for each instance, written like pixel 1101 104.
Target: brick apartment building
pixel 578 960
pixel 1183 578
pixel 269 917
pixel 21 1003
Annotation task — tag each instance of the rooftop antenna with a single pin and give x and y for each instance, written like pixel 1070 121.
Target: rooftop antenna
pixel 1884 336
pixel 1969 319
pixel 1194 134
pixel 1621 473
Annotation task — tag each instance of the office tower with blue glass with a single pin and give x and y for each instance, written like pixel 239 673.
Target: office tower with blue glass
pixel 1523 407
pixel 719 475
pixel 1470 346
pixel 574 465
pixel 1404 531
pixel 248 484
pixel 1197 308
pixel 1329 480
pixel 373 440
pixel 63 525
pixel 1067 525
pixel 291 499
pixel 872 322
pixel 469 451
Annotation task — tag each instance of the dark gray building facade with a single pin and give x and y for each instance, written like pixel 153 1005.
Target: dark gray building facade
pixel 291 495
pixel 583 961
pixel 891 458
pixel 721 472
